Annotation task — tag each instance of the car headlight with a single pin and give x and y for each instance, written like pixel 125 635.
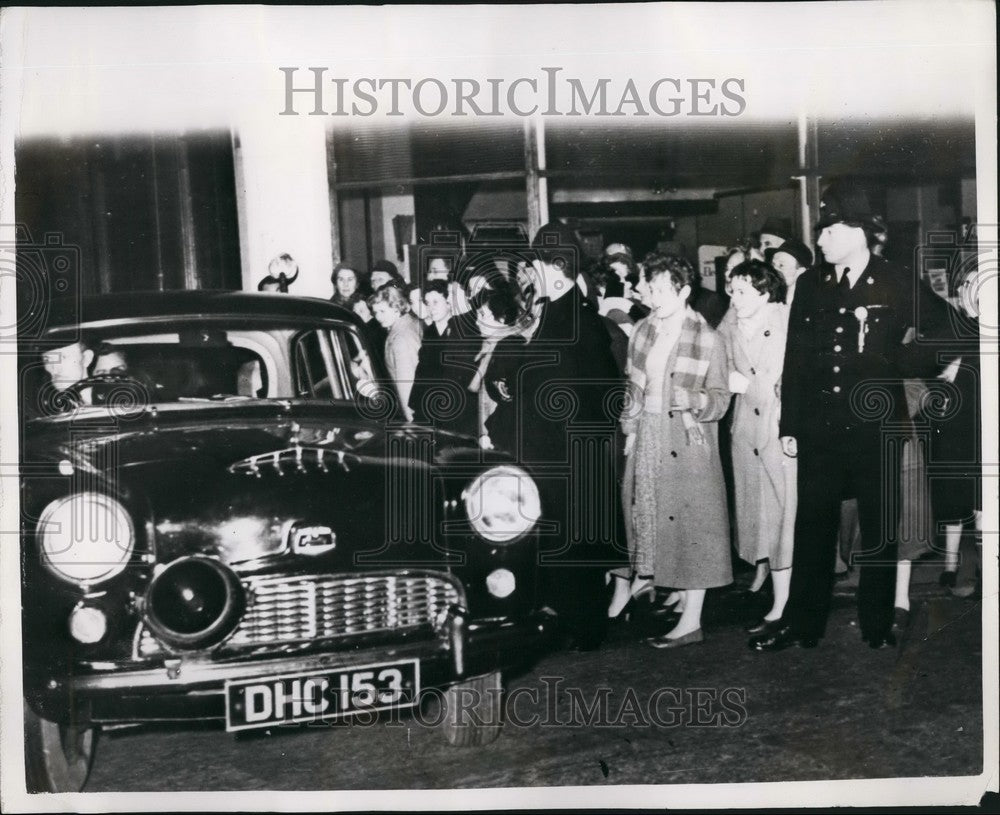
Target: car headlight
pixel 85 537
pixel 502 504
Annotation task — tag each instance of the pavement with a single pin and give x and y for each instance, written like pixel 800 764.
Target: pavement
pixel 628 714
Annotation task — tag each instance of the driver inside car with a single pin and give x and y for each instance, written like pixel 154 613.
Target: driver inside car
pixel 66 366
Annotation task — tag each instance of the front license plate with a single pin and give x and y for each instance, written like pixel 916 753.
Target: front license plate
pixel 329 694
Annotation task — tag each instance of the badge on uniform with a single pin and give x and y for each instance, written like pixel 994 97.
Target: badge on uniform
pixel 861 313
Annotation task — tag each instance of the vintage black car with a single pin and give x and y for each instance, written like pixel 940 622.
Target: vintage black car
pixel 225 519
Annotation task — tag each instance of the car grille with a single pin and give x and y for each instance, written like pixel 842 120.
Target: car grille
pixel 285 609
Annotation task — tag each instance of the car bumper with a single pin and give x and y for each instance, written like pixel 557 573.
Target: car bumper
pixel 193 688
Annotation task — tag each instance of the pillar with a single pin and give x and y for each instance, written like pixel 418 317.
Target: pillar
pixel 283 201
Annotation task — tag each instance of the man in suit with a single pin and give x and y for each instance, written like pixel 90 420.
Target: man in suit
pixel 842 399
pixel 568 425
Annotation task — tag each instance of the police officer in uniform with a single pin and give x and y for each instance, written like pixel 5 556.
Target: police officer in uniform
pixel 841 391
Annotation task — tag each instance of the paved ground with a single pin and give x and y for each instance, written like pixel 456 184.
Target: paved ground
pixel 726 714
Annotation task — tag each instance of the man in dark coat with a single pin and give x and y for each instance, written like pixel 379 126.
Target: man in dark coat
pixel 842 396
pixel 568 409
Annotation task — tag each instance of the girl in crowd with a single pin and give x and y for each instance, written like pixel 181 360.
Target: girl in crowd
pixel 384 273
pixel 348 287
pixel 764 478
pixel 734 257
pixel 506 325
pixel 616 276
pixel 402 343
pixel 673 491
pixel 957 433
pixel 441 389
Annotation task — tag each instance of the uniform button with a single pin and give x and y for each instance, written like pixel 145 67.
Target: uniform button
pixel 840 329
pixel 671 517
pixel 753 371
pixel 836 349
pixel 673 454
pixel 842 310
pixel 836 388
pixel 670 414
pixel 836 369
pixel 756 411
pixel 756 452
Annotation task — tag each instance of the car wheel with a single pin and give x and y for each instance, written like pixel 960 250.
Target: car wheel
pixel 57 757
pixel 472 711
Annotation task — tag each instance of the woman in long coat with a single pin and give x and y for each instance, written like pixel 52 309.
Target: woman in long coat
pixel 446 365
pixel 954 411
pixel 402 343
pixel 764 478
pixel 673 490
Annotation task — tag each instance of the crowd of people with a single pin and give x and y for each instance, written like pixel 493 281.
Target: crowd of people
pixel 676 425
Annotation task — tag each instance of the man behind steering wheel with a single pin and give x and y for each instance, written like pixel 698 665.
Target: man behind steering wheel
pixel 75 386
pixel 67 366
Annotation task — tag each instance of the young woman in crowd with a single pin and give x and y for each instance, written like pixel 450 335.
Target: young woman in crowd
pixel 402 343
pixel 446 365
pixel 673 491
pixel 957 433
pixel 506 325
pixel 348 286
pixel 764 478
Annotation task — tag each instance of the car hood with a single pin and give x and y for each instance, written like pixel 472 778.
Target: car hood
pixel 240 481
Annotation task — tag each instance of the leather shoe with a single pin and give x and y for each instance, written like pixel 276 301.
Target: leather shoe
pixel 764 626
pixel 781 639
pixel 877 641
pixel 691 638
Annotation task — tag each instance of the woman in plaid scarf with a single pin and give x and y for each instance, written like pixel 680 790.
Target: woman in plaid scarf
pixel 674 492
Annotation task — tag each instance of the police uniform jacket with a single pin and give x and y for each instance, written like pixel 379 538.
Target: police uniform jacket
pixel 845 357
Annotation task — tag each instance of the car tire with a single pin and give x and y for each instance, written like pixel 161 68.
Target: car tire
pixel 472 711
pixel 57 757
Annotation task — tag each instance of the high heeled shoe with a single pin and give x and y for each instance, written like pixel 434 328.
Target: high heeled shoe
pixel 764 626
pixel 661 608
pixel 622 605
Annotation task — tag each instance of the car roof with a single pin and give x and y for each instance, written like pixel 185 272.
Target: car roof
pixel 70 312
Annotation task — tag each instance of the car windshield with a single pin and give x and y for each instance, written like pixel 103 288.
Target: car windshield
pixel 210 361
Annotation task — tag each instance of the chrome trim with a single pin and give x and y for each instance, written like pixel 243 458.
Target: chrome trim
pixel 455 623
pixel 198 671
pixel 283 610
pixel 299 538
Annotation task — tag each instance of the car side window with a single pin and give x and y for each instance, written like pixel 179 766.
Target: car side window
pixel 322 360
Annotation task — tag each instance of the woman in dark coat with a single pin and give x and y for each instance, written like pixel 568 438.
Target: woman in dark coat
pixel 953 409
pixel 446 366
pixel 505 327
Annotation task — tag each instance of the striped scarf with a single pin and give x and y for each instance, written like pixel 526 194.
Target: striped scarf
pixel 694 351
pixel 694 354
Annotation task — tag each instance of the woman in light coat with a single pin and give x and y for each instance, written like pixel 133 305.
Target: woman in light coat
pixel 754 331
pixel 402 343
pixel 673 492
